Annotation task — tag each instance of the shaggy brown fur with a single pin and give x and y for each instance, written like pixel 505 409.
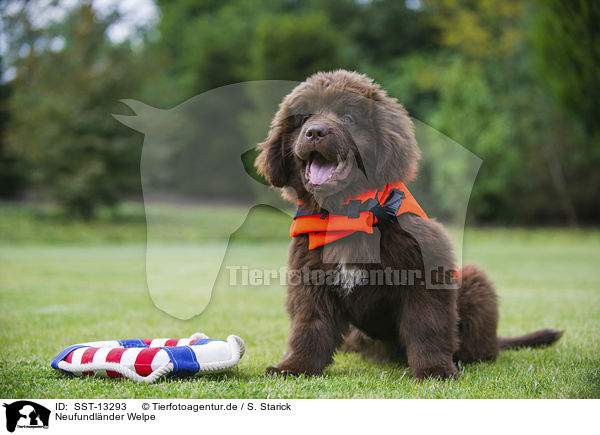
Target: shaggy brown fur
pixel 342 118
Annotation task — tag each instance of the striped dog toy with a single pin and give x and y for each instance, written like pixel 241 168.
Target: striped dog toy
pixel 146 360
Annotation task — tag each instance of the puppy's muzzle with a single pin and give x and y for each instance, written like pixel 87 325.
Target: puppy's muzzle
pixel 315 133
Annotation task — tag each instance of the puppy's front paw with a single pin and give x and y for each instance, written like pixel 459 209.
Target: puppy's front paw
pixel 438 371
pixel 279 371
pixel 292 368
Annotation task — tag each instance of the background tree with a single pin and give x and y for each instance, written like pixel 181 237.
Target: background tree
pixel 70 149
pixel 10 179
pixel 566 57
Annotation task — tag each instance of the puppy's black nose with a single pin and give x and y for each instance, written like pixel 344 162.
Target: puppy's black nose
pixel 315 132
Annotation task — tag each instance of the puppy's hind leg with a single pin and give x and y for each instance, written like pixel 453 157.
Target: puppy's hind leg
pixel 428 327
pixel 478 312
pixel 478 317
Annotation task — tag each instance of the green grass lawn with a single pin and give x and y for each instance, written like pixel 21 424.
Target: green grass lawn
pixel 62 283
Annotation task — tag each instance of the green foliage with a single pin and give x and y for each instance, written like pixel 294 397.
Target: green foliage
pixel 482 90
pixel 294 47
pixel 233 41
pixel 479 29
pixel 10 179
pixel 70 148
pixel 516 83
pixel 566 40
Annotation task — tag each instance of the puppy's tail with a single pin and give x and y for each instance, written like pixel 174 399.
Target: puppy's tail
pixel 543 337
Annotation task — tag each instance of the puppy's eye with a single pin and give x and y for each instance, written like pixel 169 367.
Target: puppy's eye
pixel 347 119
pixel 304 119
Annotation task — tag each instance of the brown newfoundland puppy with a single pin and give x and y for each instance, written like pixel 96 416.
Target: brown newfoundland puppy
pixel 337 137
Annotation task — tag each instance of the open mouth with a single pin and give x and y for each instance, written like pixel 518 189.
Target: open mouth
pixel 320 171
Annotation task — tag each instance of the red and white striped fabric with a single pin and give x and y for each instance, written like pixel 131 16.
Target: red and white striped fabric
pixel 145 360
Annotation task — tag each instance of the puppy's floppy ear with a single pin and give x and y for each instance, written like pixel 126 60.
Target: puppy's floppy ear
pixel 397 151
pixel 272 162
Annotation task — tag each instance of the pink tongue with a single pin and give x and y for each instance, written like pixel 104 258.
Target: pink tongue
pixel 321 169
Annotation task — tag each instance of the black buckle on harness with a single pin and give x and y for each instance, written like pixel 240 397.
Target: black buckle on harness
pixel 353 209
pixel 389 210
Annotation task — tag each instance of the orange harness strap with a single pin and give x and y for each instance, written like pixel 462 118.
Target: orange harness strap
pixel 359 214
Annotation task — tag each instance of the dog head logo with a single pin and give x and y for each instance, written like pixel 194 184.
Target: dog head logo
pixel 191 154
pixel 26 414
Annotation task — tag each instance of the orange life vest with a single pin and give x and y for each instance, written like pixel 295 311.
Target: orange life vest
pixel 358 214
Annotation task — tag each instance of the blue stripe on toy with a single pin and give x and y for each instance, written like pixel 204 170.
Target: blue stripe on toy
pixel 183 359
pixel 132 342
pixel 201 341
pixel 61 356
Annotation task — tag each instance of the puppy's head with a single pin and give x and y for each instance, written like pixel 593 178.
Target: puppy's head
pixel 335 135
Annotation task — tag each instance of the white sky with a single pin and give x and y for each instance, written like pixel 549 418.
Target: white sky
pixel 134 14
